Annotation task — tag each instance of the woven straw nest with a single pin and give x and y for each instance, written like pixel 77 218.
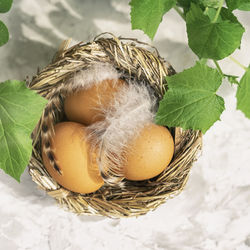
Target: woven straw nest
pixel 134 60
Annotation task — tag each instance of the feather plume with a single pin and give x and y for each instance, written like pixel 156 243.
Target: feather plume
pixel 132 109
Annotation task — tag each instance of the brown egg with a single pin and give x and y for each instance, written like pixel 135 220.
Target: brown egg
pixel 149 153
pixel 85 106
pixel 80 173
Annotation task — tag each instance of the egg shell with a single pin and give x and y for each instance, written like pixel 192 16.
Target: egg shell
pixel 80 172
pixel 86 105
pixel 149 153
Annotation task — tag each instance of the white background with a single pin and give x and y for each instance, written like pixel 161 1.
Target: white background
pixel 211 213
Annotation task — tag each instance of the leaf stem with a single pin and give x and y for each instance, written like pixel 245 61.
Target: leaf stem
pixel 238 63
pixel 203 61
pixel 178 10
pixel 218 67
pixel 218 11
pixel 206 10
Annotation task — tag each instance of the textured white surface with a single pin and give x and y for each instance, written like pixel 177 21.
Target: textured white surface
pixel 211 213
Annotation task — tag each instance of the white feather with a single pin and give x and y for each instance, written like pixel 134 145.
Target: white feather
pixel 131 110
pixel 97 73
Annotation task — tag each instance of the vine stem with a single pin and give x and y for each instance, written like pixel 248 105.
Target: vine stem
pixel 238 63
pixel 218 67
pixel 178 10
pixel 218 11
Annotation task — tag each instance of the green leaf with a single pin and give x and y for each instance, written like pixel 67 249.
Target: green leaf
pixel 205 3
pixel 191 101
pixel 243 94
pixel 245 6
pixel 184 4
pixel 5 5
pixel 20 109
pixel 203 61
pixel 232 79
pixel 211 3
pixel 211 13
pixel 214 40
pixel 4 34
pixel 238 4
pixel 146 15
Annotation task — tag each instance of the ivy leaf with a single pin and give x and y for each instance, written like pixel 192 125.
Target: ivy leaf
pixel 238 4
pixel 20 109
pixel 191 101
pixel 4 34
pixel 214 40
pixel 5 5
pixel 243 94
pixel 146 15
